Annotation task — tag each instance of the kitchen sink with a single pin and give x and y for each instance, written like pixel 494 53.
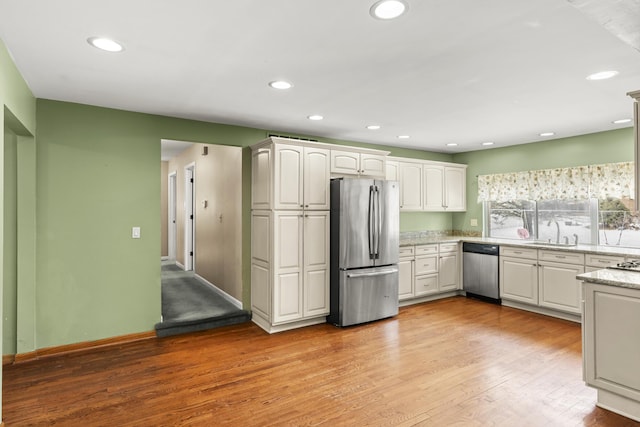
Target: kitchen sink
pixel 553 244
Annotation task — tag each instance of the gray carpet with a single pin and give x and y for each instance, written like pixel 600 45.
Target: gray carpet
pixel 189 305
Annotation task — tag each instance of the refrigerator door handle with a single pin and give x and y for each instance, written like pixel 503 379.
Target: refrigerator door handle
pixel 374 273
pixel 371 223
pixel 378 222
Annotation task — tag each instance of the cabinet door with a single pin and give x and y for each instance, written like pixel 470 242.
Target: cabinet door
pixel 288 177
pixel 405 279
pixel 559 288
pixel 261 179
pixel 519 279
pixel 433 188
pixel 345 162
pixel 611 340
pixel 410 186
pixel 316 264
pixel 455 195
pixel 373 165
pixel 448 272
pixel 316 178
pixel 287 260
pixel 393 174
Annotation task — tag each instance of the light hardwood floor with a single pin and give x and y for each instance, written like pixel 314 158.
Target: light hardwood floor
pixel 454 362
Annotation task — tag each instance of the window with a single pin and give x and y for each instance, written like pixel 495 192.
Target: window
pixel 609 221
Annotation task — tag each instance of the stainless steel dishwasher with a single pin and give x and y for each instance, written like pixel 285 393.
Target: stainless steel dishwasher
pixel 480 277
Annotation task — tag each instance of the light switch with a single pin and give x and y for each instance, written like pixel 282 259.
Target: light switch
pixel 135 232
pixel 474 222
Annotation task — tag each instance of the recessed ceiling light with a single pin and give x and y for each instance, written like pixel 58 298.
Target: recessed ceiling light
pixel 602 75
pixel 403 136
pixel 315 117
pixel 373 127
pixel 547 134
pixel 104 43
pixel 452 144
pixel 280 84
pixel 487 143
pixel 388 9
pixel 621 121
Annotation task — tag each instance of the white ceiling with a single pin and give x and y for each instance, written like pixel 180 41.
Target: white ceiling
pixel 448 71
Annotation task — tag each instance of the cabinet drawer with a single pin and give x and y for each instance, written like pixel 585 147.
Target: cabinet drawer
pixel 406 252
pixel 602 261
pixel 448 247
pixel 560 256
pixel 426 265
pixel 512 251
pixel 426 285
pixel 426 249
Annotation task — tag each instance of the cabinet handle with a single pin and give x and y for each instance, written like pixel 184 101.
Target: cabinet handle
pixel 306 206
pixel 517 252
pixel 560 256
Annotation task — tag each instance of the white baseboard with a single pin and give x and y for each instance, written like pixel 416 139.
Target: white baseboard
pixel 164 258
pixel 179 265
pixel 219 291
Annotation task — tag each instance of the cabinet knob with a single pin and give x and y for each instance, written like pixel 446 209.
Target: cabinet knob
pixel 306 206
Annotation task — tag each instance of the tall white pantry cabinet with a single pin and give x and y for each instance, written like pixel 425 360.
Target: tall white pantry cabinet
pixel 289 234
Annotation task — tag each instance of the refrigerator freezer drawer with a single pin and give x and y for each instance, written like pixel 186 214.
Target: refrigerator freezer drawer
pixel 367 294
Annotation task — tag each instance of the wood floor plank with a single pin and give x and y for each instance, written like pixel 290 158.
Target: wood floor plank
pixel 454 362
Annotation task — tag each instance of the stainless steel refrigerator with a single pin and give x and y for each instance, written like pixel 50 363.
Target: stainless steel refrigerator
pixel 365 224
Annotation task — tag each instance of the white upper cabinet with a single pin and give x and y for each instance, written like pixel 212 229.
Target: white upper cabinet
pixel 410 177
pixel 288 182
pixel 288 176
pixel 316 178
pixel 429 186
pixel 433 187
pixel 393 171
pixel 455 190
pixel 445 188
pixel 357 163
pixel 261 178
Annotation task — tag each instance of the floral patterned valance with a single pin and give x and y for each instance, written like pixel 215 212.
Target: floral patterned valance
pixel 581 182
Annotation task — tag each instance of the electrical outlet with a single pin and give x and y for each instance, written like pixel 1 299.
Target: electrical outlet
pixel 135 232
pixel 474 222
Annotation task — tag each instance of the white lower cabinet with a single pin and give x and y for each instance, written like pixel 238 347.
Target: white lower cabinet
pixel 519 275
pixel 405 274
pixel 291 287
pixel 448 267
pixel 434 269
pixel 559 289
pixel 611 345
pixel 544 278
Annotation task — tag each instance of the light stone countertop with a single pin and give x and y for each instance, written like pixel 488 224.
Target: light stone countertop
pixel 619 278
pixel 629 253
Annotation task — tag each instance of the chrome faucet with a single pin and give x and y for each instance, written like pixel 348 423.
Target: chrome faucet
pixel 566 240
pixel 557 228
pixel 576 237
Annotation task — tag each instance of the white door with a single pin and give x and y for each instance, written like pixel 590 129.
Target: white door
pixel 410 186
pixel 172 231
pixel 316 264
pixel 288 177
pixel 189 217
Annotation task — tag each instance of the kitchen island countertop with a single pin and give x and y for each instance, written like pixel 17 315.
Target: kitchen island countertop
pixel 612 277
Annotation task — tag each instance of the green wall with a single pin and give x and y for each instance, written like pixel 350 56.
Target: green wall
pixel 596 148
pixel 10 244
pixel 97 172
pixel 17 121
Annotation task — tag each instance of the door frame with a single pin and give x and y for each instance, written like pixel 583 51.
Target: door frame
pixel 172 226
pixel 189 217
